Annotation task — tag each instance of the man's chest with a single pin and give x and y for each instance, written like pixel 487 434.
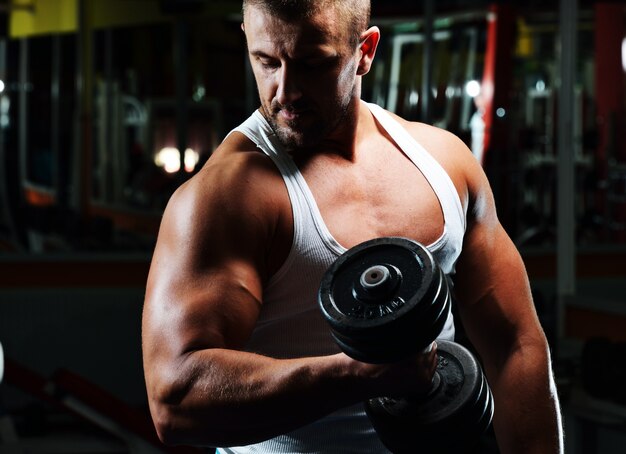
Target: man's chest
pixel 392 198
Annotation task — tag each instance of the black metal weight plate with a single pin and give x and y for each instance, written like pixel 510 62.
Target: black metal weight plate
pixel 450 418
pixel 384 299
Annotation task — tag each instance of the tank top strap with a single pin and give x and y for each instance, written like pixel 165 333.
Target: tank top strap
pixel 309 226
pixel 435 174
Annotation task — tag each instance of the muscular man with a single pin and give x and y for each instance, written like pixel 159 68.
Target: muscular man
pixel 236 352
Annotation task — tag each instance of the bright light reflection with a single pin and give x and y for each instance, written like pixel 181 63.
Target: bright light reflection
pixel 472 88
pixel 1 86
pixel 169 159
pixel 540 85
pixel 191 159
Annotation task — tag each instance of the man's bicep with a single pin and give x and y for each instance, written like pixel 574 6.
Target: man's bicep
pixel 212 309
pixel 494 295
pixel 492 285
pixel 204 286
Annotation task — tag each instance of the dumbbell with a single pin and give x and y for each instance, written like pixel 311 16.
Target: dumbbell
pixel 385 300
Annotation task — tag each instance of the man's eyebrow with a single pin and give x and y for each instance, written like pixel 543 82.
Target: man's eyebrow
pixel 259 53
pixel 315 53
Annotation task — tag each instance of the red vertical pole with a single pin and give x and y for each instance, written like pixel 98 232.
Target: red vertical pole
pixel 495 92
pixel 497 72
pixel 487 85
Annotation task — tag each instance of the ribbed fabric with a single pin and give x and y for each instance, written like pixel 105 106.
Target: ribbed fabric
pixel 291 325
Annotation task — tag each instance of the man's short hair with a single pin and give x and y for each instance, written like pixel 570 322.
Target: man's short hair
pixel 355 13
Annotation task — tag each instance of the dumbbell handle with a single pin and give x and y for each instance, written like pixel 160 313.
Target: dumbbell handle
pixel 435 382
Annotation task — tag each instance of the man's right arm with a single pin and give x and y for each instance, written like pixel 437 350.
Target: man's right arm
pixel 203 298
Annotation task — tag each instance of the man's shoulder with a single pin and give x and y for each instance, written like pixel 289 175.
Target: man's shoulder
pixel 237 175
pixel 237 159
pixel 449 151
pixel 233 203
pixel 426 134
pixel 447 148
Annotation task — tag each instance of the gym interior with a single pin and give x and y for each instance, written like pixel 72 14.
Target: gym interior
pixel 98 98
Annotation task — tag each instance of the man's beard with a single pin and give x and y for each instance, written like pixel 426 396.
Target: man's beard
pixel 296 134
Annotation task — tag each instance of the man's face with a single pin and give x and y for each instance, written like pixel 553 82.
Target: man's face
pixel 305 72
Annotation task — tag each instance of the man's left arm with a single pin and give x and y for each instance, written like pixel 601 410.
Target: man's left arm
pixel 498 313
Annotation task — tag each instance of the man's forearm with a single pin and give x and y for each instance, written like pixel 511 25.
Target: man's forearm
pixel 225 398
pixel 527 414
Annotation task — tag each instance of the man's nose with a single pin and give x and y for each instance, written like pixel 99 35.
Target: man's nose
pixel 288 86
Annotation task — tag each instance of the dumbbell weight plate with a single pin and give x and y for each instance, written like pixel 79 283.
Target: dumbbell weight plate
pixel 450 417
pixel 376 318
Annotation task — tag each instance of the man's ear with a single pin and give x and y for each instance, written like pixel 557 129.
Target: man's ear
pixel 369 42
pixel 243 27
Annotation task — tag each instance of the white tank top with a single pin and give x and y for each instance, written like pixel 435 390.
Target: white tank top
pixel 291 325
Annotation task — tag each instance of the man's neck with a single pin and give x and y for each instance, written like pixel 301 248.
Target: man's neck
pixel 348 138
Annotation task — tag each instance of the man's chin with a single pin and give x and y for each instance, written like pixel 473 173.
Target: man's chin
pixel 306 131
pixel 293 141
pixel 295 135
